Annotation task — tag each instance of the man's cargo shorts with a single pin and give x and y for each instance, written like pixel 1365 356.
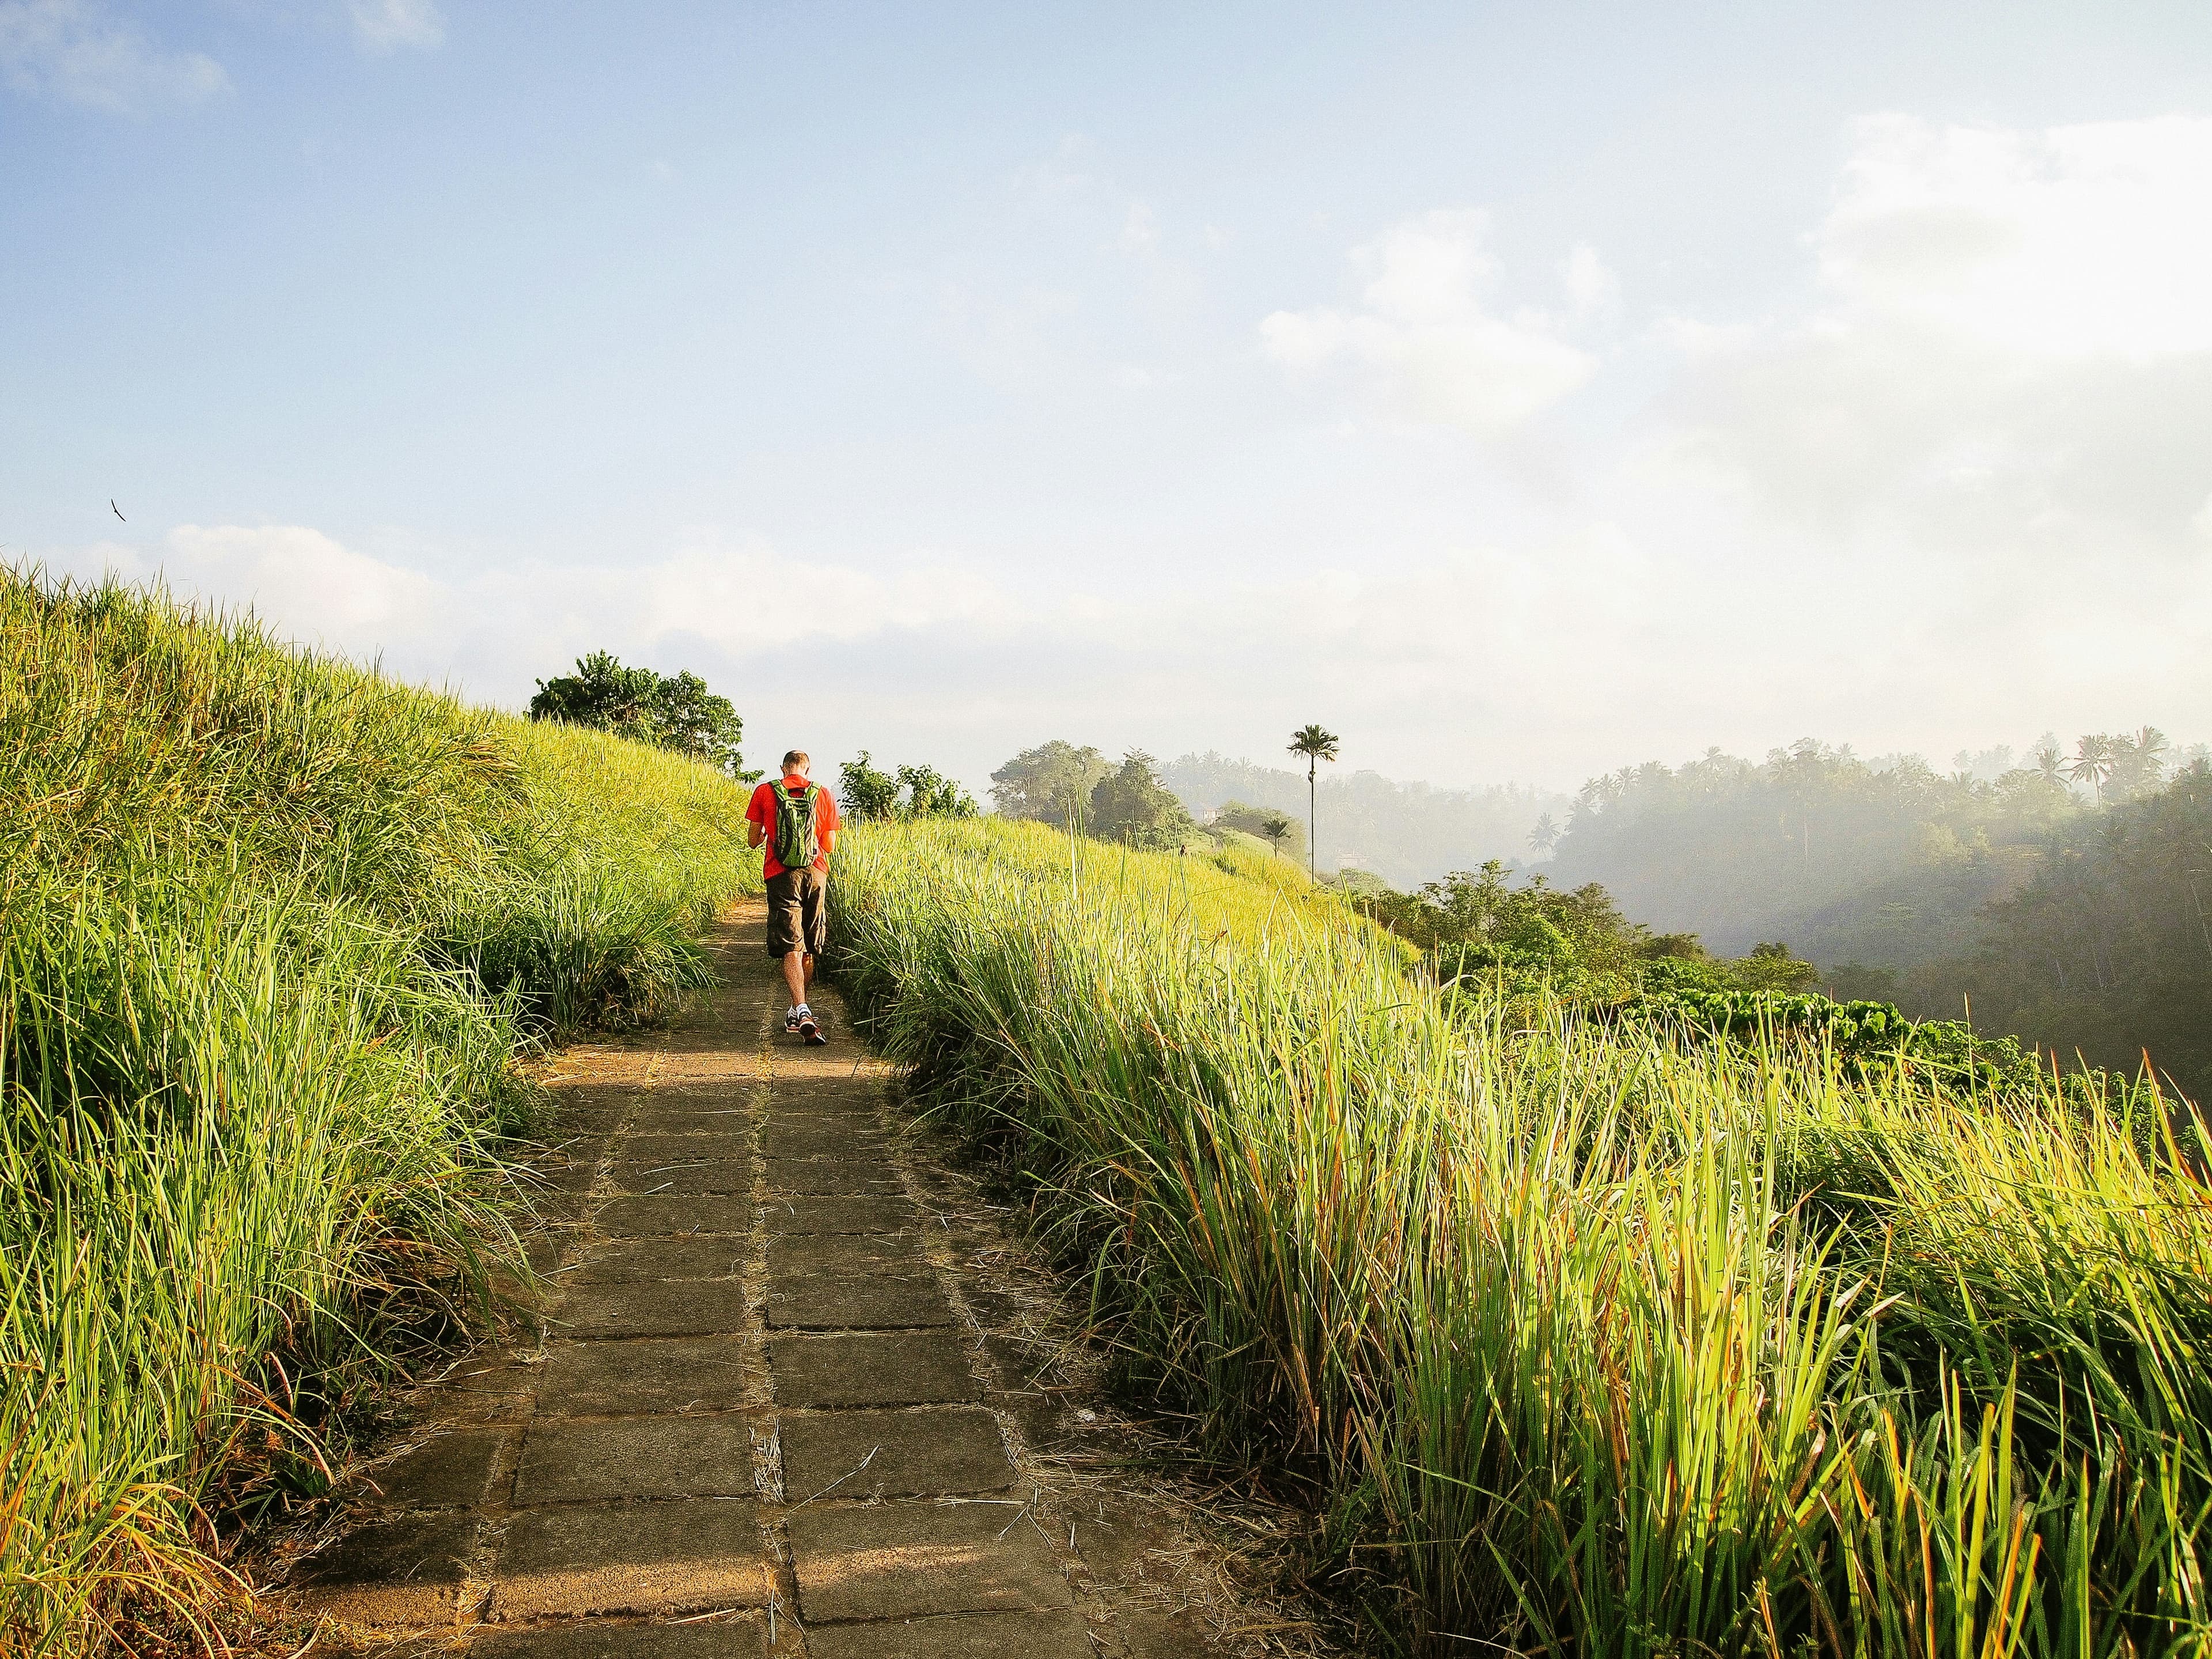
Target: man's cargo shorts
pixel 797 919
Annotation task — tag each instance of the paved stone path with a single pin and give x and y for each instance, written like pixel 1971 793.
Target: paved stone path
pixel 762 1419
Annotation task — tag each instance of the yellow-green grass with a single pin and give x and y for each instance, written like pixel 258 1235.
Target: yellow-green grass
pixel 1583 1341
pixel 275 929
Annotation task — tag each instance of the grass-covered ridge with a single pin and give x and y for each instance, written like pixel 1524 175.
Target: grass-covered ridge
pixel 1589 1340
pixel 272 930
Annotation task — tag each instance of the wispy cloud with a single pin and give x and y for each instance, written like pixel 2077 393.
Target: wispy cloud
pixel 1424 345
pixel 77 52
pixel 390 25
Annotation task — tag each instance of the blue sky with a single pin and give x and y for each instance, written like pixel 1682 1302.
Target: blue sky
pixel 1519 391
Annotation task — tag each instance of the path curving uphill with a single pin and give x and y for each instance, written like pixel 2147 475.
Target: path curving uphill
pixel 766 1418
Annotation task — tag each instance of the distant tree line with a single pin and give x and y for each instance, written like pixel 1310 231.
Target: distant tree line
pixel 2055 894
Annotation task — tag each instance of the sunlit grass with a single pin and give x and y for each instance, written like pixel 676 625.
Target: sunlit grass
pixel 275 930
pixel 1583 1341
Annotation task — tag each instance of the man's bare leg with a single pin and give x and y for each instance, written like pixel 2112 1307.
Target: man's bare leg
pixel 798 968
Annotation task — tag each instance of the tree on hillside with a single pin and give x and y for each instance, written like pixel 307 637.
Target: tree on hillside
pixel 929 794
pixel 1130 805
pixel 1259 821
pixel 1051 783
pixel 864 791
pixel 674 712
pixel 1545 836
pixel 1316 745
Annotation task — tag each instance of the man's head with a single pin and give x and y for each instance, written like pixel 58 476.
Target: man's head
pixel 795 764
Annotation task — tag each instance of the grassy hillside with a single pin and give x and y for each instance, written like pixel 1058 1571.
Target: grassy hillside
pixel 1583 1341
pixel 272 930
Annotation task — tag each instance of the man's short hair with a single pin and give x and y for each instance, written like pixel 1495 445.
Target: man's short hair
pixel 797 758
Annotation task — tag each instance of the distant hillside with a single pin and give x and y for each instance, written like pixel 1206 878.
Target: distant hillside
pixel 1405 833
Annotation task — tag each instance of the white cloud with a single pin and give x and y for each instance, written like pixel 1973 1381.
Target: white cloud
pixel 1423 346
pixel 2072 241
pixel 388 25
pixel 309 587
pixel 2005 366
pixel 77 52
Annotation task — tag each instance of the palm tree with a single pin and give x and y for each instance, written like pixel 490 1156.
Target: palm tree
pixel 1545 836
pixel 1277 829
pixel 2092 764
pixel 2150 747
pixel 1317 745
pixel 2050 761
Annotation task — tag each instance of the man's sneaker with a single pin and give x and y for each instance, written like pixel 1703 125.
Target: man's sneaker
pixel 791 1021
pixel 810 1027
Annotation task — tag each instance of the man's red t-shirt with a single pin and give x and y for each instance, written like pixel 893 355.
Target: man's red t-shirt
pixel 761 810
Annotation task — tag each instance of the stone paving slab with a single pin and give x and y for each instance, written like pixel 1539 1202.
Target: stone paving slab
pixel 735 1139
pixel 844 1252
pixel 906 1560
pixel 857 1302
pixel 807 1138
pixel 927 1453
pixel 454 1470
pixel 631 1558
pixel 788 1215
pixel 742 1637
pixel 728 1174
pixel 958 1635
pixel 659 1376
pixel 665 1216
pixel 408 1571
pixel 818 1176
pixel 871 1368
pixel 707 1307
pixel 692 1255
pixel 576 1459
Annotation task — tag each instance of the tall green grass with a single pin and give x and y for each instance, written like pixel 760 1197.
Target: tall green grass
pixel 1584 1342
pixel 272 933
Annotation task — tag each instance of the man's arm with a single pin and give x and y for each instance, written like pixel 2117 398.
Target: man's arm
pixel 756 833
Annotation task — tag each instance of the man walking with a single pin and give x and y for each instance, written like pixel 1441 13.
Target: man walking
pixel 799 821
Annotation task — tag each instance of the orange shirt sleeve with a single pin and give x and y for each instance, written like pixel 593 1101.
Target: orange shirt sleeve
pixel 829 812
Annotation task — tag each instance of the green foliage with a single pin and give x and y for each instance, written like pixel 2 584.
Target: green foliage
pixel 1130 805
pixel 915 792
pixel 932 794
pixel 2107 952
pixel 272 930
pixel 1278 830
pixel 673 712
pixel 864 792
pixel 1049 784
pixel 1586 1337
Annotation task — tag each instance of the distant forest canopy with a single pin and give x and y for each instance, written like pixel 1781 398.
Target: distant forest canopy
pixel 1405 833
pixel 2107 950
pixel 1886 862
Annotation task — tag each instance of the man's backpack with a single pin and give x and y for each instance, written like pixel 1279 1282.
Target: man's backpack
pixel 797 843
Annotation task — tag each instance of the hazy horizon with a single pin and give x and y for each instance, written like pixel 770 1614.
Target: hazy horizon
pixel 1521 396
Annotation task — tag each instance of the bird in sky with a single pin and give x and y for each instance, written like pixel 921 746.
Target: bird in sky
pixel 116 510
